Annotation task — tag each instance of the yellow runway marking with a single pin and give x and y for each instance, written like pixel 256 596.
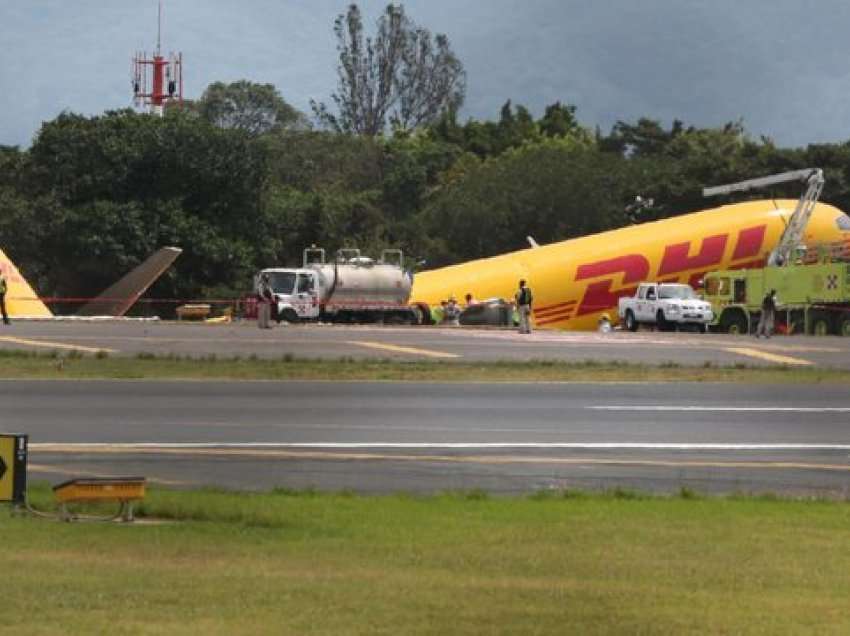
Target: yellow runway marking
pixel 54 345
pixel 770 357
pixel 399 349
pixel 452 459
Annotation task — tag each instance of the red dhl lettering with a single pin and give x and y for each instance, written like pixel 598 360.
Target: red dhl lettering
pixel 749 242
pixel 598 296
pixel 676 257
pixel 559 312
pixel 554 309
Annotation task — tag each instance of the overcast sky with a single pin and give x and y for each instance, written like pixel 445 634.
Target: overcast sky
pixel 781 65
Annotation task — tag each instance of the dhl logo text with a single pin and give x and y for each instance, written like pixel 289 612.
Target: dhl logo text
pixel 620 276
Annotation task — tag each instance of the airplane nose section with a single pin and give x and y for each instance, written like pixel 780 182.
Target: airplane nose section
pixel 841 233
pixel 834 235
pixel 842 222
pixel 828 226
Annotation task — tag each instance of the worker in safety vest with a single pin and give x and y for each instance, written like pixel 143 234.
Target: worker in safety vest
pixel 523 299
pixel 438 312
pixel 3 288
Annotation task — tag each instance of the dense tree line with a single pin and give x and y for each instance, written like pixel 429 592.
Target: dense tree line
pixel 94 196
pixel 241 180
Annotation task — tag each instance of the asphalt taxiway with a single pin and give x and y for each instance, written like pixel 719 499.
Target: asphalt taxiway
pixel 426 437
pixel 411 343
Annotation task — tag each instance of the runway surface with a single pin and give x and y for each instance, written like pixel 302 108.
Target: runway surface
pixel 417 343
pixel 428 437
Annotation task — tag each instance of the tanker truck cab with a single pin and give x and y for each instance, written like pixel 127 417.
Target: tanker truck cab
pixel 348 288
pixel 296 292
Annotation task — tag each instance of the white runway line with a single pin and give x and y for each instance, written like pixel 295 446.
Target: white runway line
pixel 123 446
pixel 724 409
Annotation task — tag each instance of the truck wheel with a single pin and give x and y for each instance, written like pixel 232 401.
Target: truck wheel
pixel 661 322
pixel 631 323
pixel 844 327
pixel 702 328
pixel 820 325
pixel 734 322
pixel 289 315
pixel 403 317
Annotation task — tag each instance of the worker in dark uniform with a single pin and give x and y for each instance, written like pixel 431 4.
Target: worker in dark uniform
pixel 3 288
pixel 523 299
pixel 265 302
pixel 768 313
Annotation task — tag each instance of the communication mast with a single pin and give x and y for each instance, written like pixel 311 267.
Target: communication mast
pixel 157 81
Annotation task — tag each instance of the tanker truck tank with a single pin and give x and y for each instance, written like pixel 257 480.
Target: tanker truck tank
pixel 350 288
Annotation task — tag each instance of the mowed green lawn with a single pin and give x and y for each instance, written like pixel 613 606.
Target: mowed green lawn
pixel 53 365
pixel 457 564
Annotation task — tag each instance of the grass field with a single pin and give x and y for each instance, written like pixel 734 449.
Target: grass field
pixel 304 563
pixel 29 365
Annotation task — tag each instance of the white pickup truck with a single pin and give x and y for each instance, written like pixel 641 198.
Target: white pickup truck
pixel 666 305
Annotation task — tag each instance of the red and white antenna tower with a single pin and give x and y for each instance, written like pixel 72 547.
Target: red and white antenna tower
pixel 157 81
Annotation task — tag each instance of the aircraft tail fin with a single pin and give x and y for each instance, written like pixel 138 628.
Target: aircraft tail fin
pixel 21 299
pixel 118 298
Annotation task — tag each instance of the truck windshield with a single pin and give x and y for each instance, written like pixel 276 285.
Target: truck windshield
pixel 305 283
pixel 282 282
pixel 682 292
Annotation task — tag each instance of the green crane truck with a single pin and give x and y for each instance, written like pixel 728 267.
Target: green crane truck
pixel 812 286
pixel 812 298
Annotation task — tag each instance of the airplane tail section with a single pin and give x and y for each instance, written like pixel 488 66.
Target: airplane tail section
pixel 118 298
pixel 21 300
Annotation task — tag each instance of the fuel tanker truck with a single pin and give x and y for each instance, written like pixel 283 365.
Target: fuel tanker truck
pixel 349 288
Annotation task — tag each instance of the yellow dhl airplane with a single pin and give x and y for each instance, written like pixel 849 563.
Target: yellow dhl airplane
pixel 21 299
pixel 576 281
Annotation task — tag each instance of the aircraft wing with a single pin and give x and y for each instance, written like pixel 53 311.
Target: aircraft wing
pixel 118 298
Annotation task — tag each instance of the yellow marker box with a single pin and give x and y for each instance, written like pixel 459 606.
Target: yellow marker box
pixel 121 489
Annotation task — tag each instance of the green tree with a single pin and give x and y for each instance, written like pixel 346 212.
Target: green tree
pixel 515 127
pixel 559 120
pixel 412 165
pixel 645 138
pixel 551 190
pixel 248 106
pixel 116 187
pixel 403 76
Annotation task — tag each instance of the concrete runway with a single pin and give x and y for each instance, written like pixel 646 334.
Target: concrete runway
pixel 411 343
pixel 428 437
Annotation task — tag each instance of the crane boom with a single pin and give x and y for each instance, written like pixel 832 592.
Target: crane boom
pixel 795 229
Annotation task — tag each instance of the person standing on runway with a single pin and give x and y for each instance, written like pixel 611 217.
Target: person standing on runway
pixel 265 300
pixel 451 314
pixel 3 288
pixel 524 298
pixel 768 311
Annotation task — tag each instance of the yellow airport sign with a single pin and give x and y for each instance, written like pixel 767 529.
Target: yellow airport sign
pixel 13 468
